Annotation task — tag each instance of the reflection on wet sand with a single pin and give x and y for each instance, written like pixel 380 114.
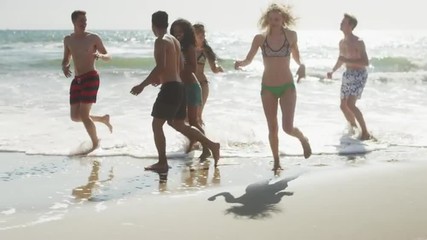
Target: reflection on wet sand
pixel 163 182
pixel 86 191
pixel 197 177
pixel 193 177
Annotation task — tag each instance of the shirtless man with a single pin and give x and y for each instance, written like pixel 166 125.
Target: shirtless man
pixel 84 48
pixel 353 55
pixel 170 105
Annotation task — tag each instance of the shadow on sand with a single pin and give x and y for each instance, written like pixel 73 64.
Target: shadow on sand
pixel 259 201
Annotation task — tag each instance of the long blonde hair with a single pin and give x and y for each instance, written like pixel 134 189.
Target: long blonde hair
pixel 285 10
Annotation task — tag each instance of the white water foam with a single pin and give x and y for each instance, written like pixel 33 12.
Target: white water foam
pixel 35 112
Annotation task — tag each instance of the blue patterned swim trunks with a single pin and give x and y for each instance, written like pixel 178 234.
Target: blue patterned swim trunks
pixel 353 83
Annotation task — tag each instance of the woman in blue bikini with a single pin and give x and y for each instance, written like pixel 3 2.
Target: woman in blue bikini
pixel 182 30
pixel 278 87
pixel 205 54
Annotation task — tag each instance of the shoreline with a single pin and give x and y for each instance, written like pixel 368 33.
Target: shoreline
pixel 367 197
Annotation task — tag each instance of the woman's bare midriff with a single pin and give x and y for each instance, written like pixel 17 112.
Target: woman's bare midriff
pixel 276 71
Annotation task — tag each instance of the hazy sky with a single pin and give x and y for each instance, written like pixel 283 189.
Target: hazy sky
pixel 217 15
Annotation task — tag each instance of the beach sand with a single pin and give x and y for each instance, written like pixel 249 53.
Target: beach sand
pixel 375 196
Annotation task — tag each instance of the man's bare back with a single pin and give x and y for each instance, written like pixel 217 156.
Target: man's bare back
pixel 170 104
pixel 172 58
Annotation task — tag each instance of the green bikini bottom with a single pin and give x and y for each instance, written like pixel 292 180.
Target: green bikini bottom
pixel 278 90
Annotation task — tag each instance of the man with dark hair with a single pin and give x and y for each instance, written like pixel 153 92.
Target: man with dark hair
pixel 352 53
pixel 170 105
pixel 84 48
pixel 160 19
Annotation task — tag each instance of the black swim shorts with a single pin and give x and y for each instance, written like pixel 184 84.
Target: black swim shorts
pixel 170 103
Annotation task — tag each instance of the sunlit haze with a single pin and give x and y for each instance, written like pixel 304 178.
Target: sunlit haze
pixel 220 15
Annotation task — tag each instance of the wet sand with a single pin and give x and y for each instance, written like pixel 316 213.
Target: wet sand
pixel 328 197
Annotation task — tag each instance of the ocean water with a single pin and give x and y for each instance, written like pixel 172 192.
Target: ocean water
pixel 34 109
pixel 34 120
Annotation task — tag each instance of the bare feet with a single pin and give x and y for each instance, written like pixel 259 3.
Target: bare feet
pixel 106 120
pixel 306 147
pixel 158 167
pixel 215 152
pixel 205 154
pixel 277 167
pixel 95 145
pixel 277 172
pixel 366 136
